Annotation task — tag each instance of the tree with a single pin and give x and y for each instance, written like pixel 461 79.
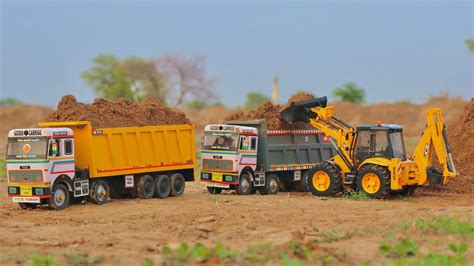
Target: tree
pixel 470 44
pixel 108 78
pixel 9 101
pixel 349 92
pixel 185 78
pixel 197 104
pixel 255 99
pixel 145 78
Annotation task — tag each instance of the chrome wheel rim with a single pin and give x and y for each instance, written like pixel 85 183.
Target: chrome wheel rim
pixel 101 192
pixel 59 197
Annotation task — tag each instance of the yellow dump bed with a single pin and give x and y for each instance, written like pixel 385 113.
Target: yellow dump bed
pixel 131 150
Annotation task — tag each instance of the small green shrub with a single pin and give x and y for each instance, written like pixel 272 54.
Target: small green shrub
pixel 42 260
pixel 354 195
pixel 445 225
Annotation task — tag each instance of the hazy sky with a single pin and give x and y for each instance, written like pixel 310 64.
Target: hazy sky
pixel 395 50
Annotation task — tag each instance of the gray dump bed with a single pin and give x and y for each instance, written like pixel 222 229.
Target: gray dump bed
pixel 282 150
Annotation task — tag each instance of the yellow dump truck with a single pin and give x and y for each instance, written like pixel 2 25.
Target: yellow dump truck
pixel 60 161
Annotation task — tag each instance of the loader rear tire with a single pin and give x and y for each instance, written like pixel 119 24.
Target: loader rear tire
pixel 324 180
pixel 374 181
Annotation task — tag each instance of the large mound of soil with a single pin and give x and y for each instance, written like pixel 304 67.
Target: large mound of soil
pixel 461 135
pixel 271 113
pixel 121 113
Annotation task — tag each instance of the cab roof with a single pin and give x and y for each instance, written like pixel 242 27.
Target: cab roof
pixel 383 127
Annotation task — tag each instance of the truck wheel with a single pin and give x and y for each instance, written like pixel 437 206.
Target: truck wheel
pixel 374 181
pixel 245 185
pixel 25 206
pixel 99 192
pixel 163 186
pixel 304 183
pixel 214 190
pixel 146 187
pixel 324 180
pixel 271 185
pixel 177 184
pixel 59 197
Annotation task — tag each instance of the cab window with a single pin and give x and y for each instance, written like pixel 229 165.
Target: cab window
pixel 253 143
pixel 381 144
pixel 244 143
pixel 68 147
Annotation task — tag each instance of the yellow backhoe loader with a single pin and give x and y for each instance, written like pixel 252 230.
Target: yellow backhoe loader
pixel 372 158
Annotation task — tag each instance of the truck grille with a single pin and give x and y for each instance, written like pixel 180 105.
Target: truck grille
pixel 217 164
pixel 26 176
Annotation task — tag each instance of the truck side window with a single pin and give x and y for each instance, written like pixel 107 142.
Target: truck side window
pixel 67 147
pixel 253 143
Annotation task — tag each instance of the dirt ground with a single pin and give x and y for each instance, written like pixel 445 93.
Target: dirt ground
pixel 127 231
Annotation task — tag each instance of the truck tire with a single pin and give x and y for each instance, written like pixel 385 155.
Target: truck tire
pixel 245 184
pixel 25 206
pixel 99 193
pixel 214 190
pixel 324 180
pixel 59 197
pixel 163 186
pixel 374 181
pixel 304 185
pixel 271 185
pixel 146 187
pixel 177 184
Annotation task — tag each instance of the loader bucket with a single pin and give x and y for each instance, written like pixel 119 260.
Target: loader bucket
pixel 300 111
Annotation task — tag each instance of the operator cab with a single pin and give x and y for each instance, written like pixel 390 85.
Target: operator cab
pixel 383 141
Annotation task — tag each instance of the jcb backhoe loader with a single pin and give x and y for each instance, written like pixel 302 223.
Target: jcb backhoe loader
pixel 372 158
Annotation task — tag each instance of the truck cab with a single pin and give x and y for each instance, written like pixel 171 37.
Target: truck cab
pixel 38 158
pixel 227 152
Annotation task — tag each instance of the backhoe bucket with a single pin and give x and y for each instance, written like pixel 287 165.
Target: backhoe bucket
pixel 300 111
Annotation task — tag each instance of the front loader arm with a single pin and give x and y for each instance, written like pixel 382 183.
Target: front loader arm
pixel 434 138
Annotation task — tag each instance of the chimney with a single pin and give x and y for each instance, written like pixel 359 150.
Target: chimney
pixel 275 95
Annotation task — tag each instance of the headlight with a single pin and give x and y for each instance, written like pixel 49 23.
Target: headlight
pixel 39 191
pixel 228 178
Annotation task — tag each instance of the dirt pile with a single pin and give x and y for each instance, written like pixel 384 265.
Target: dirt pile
pixel 271 113
pixel 461 135
pixel 121 113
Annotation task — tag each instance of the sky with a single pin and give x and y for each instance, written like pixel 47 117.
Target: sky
pixel 395 50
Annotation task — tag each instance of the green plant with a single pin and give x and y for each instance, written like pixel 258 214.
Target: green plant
pixel 81 258
pixel 147 262
pixel 437 259
pixel 445 225
pixel 404 247
pixel 42 260
pixel 350 92
pixel 470 44
pixel 354 195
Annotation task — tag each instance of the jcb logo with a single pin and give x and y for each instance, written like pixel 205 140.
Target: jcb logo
pixel 427 150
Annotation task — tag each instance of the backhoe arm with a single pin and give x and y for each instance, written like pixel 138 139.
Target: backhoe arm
pixel 434 138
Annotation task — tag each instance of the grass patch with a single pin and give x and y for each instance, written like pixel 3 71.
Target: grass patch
pixel 42 260
pixel 81 258
pixel 295 253
pixel 134 217
pixel 443 225
pixel 354 195
pixel 337 235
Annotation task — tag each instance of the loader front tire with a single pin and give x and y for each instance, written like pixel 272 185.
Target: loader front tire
pixel 374 181
pixel 324 180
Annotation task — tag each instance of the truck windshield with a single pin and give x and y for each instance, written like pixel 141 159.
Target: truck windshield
pixel 220 141
pixel 27 148
pixel 398 145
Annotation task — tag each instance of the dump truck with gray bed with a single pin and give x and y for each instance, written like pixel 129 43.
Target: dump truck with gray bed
pixel 246 157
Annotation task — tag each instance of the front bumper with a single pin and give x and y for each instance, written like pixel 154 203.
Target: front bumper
pixel 222 178
pixel 28 191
